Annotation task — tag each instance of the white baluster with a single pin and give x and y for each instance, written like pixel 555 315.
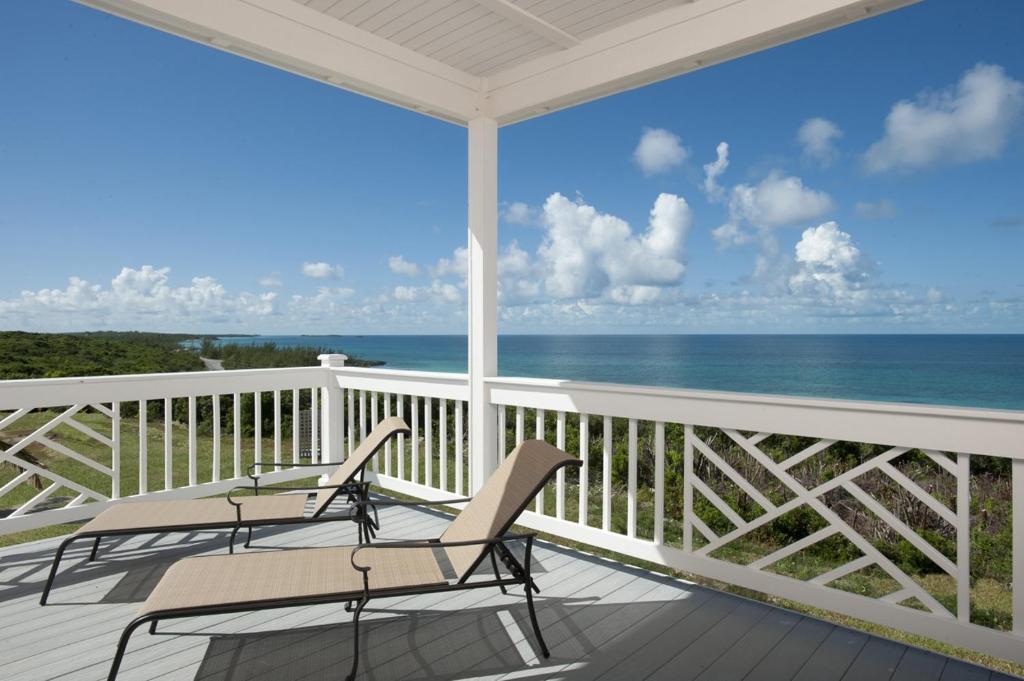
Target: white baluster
pixel 115 451
pixel 296 431
pixel 560 475
pixel 459 488
pixel 373 423
pixel 963 537
pixel 659 482
pixel 168 445
pixel 442 441
pixel 314 425
pixel 400 403
pixel 539 434
pixel 585 469
pixel 193 444
pixel 606 476
pixel 143 449
pixel 216 437
pixel 236 408
pixel 414 404
pixel 688 488
pixel 257 427
pixel 277 428
pixel 387 445
pixel 631 482
pixel 428 441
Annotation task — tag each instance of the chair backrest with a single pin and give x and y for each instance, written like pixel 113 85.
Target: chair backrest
pixel 500 501
pixel 359 459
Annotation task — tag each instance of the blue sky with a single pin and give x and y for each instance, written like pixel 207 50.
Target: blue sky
pixel 148 182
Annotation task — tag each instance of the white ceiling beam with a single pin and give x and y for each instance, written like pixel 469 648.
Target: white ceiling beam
pixel 296 38
pixel 664 45
pixel 529 21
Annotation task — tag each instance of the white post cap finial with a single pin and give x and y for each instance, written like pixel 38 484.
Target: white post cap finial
pixel 332 361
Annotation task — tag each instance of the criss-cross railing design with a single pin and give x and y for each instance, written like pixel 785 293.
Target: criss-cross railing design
pixel 813 498
pixel 44 436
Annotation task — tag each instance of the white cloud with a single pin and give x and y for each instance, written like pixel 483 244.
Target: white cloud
pixel 818 138
pixel 879 210
pixel 585 253
pixel 399 265
pixel 969 122
pixel 659 151
pixel 778 201
pixel 322 270
pixel 730 234
pixel 437 292
pixel 829 263
pixel 713 170
pixel 519 213
pixel 457 265
pixel 135 298
pixel 272 280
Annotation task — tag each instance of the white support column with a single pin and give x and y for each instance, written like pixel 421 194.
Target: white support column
pixel 330 422
pixel 483 296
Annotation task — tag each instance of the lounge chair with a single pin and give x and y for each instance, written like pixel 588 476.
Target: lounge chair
pixel 210 585
pixel 184 515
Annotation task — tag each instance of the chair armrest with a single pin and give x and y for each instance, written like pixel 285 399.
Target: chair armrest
pixel 428 543
pixel 251 471
pixel 362 488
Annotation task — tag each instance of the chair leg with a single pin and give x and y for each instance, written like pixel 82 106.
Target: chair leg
pixel 152 627
pixel 497 575
pixel 355 640
pixel 248 538
pixel 533 621
pixel 53 568
pixel 95 548
pixel 231 539
pixel 123 644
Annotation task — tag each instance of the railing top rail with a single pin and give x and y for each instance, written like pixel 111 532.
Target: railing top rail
pixel 448 386
pixel 956 429
pixel 48 392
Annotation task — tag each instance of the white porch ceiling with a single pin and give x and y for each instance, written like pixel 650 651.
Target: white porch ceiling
pixel 502 59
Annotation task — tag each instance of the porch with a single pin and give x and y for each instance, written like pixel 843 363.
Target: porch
pixel 602 620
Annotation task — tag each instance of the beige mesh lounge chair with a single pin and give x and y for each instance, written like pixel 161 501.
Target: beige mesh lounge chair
pixel 210 585
pixel 183 515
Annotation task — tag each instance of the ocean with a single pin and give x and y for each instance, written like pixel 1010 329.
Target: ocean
pixel 965 370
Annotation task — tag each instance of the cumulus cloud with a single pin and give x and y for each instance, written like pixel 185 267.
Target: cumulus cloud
pixel 322 270
pixel 135 297
pixel 519 213
pixel 878 210
pixel 971 121
pixel 818 138
pixel 829 263
pixel 399 265
pixel 713 170
pixel 272 280
pixel 659 151
pixel 777 201
pixel 457 265
pixel 585 253
pixel 438 292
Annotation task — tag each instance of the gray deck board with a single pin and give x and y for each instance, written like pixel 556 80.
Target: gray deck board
pixel 602 620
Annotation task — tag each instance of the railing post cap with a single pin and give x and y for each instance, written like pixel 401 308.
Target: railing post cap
pixel 337 360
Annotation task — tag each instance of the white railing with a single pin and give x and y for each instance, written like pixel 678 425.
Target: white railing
pixel 690 480
pixel 74 441
pixel 733 468
pixel 435 459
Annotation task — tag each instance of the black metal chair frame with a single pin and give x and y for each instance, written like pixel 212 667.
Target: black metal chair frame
pixel 357 491
pixel 520 575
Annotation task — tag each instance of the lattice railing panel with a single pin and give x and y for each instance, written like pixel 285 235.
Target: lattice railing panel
pixel 838 501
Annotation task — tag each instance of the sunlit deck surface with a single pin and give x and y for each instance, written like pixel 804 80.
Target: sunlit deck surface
pixel 602 620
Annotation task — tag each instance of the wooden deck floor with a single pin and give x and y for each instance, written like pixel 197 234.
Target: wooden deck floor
pixel 601 619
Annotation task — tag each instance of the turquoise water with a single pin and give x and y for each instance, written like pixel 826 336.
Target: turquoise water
pixel 966 370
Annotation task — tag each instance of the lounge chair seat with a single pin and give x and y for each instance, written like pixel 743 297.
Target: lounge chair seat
pixel 255 578
pixel 235 583
pixel 154 516
pixel 185 515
